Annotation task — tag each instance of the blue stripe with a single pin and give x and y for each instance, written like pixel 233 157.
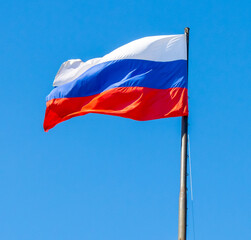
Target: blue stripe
pixel 124 73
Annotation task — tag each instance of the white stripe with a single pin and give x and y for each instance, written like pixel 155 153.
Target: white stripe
pixel 164 48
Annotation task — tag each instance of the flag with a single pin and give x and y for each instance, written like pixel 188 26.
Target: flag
pixel 145 79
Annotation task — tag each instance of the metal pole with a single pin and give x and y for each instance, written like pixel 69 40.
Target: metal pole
pixel 183 169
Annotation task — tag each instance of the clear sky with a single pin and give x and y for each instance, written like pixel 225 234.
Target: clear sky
pixel 100 177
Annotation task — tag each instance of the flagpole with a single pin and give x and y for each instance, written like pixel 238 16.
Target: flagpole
pixel 183 168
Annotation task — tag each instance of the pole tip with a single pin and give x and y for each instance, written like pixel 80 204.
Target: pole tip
pixel 187 30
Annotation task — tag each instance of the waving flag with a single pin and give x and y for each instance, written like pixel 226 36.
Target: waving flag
pixel 143 80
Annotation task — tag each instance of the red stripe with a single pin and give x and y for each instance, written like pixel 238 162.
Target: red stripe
pixel 138 103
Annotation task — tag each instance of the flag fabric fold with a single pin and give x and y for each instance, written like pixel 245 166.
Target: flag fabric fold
pixel 143 80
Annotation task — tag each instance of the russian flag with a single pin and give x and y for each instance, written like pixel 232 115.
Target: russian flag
pixel 143 80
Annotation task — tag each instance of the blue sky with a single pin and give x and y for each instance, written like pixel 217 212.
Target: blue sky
pixel 101 177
